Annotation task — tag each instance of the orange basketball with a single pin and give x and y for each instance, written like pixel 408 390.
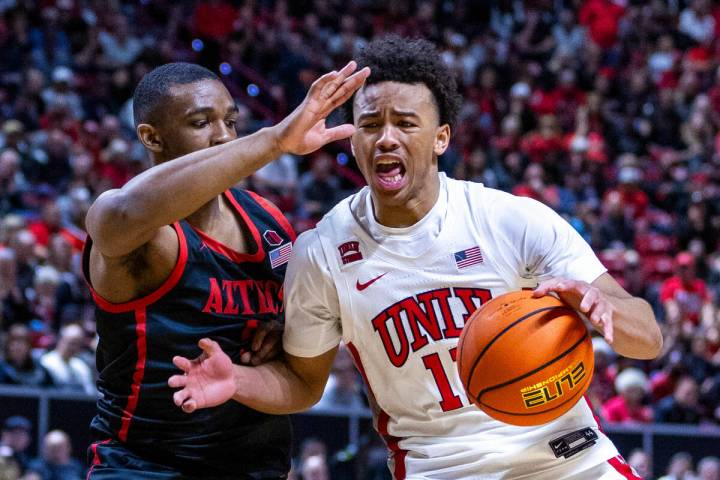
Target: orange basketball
pixel 523 360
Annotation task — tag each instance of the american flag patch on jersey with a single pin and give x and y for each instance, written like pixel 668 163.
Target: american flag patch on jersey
pixel 468 257
pixel 280 255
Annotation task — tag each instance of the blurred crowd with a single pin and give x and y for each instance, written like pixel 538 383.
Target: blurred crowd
pixel 606 110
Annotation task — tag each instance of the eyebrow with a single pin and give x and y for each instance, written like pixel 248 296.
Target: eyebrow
pixel 195 111
pixel 375 113
pixel 405 113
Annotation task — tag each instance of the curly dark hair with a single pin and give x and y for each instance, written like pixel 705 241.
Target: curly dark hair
pixel 396 59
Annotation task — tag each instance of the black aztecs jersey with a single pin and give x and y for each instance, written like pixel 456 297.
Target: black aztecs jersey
pixel 215 292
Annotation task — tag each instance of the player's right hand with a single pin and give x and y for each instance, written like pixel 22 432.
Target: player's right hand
pixel 304 130
pixel 207 381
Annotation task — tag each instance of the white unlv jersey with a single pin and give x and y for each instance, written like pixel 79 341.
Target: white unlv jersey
pixel 401 315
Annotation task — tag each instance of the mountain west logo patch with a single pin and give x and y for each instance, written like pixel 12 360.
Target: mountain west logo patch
pixel 272 238
pixel 350 252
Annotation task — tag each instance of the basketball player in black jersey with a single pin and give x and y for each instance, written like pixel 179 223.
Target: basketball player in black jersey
pixel 177 255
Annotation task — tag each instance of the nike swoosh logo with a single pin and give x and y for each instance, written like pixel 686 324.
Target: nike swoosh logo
pixel 363 286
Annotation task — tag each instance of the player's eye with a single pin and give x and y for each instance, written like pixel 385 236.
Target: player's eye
pixel 199 123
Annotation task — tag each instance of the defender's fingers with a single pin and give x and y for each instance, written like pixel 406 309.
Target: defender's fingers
pixel 177 381
pixel 182 363
pixel 189 406
pixel 259 338
pixel 245 358
pixel 347 88
pixel 322 81
pixel 337 79
pixel 339 132
pixel 208 346
pixel 266 349
pixel 348 69
pixel 181 396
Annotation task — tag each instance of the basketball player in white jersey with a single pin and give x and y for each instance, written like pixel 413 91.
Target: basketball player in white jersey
pixel 395 270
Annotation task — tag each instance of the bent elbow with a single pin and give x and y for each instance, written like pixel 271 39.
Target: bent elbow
pixel 656 345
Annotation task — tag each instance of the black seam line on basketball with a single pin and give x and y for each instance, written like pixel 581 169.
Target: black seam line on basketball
pixel 537 412
pixel 532 372
pixel 502 332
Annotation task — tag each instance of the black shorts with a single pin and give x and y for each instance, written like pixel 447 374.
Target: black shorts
pixel 112 460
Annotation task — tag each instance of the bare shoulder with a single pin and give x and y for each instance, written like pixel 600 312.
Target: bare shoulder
pixel 138 273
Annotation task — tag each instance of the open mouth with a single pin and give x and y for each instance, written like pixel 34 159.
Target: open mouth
pixel 390 173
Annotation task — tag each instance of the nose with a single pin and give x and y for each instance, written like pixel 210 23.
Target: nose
pixel 387 141
pixel 222 133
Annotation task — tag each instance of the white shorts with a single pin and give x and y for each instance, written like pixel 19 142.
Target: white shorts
pixel 614 469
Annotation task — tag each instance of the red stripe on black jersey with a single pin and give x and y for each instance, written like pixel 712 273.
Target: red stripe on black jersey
pixel 141 346
pixel 259 254
pixel 276 213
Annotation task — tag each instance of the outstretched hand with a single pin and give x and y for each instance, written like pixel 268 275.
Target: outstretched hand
pixel 304 130
pixel 207 380
pixel 584 298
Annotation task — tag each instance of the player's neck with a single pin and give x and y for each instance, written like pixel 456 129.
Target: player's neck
pixel 410 212
pixel 207 216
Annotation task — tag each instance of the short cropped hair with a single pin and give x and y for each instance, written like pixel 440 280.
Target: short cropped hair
pixel 154 88
pixel 396 59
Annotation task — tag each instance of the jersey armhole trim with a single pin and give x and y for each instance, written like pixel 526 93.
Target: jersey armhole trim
pixel 150 298
pixel 259 254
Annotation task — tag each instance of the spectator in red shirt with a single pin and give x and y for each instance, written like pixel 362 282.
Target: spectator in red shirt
pixel 546 143
pixel 567 98
pixel 48 224
pixel 627 407
pixel 602 17
pixel 214 19
pixel 635 200
pixel 115 166
pixel 684 296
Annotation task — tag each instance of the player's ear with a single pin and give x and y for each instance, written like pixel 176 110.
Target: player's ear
pixel 442 139
pixel 150 137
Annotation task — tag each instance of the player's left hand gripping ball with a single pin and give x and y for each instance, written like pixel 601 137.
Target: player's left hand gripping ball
pixel 585 298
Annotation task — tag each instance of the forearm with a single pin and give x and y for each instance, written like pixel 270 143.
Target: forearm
pixel 273 388
pixel 636 333
pixel 175 189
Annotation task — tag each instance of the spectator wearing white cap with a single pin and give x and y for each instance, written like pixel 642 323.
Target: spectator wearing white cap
pixel 627 407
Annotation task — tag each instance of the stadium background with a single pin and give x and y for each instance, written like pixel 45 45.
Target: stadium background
pixel 608 111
